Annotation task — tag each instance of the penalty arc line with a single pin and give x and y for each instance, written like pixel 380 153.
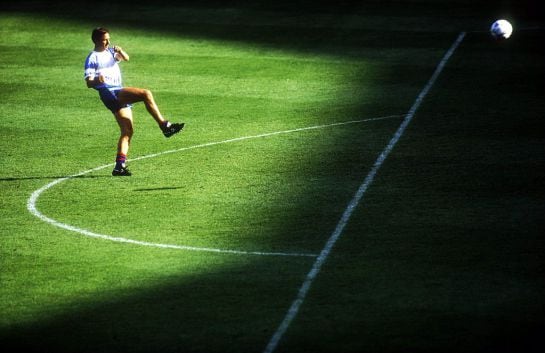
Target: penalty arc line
pixel 320 260
pixel 32 208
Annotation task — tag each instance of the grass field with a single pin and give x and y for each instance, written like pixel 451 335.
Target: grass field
pixel 288 106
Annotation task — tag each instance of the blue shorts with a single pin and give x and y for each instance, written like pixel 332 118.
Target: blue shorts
pixel 110 100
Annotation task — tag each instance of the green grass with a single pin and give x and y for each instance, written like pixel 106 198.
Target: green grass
pixel 445 253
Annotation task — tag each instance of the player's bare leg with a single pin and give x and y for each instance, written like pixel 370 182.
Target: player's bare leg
pixel 129 95
pixel 124 120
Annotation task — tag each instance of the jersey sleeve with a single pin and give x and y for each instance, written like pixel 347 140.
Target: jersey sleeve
pixel 91 66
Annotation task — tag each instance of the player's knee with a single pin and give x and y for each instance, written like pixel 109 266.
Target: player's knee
pixel 148 96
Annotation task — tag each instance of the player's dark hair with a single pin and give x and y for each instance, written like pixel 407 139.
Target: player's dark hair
pixel 98 33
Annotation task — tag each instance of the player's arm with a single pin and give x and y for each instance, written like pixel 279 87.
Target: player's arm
pixel 94 81
pixel 120 54
pixel 91 75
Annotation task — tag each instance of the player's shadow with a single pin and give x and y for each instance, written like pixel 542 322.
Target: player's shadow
pixel 164 188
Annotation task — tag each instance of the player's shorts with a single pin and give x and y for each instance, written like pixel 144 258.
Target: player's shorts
pixel 110 100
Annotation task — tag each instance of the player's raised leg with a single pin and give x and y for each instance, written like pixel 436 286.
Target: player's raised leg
pixel 129 95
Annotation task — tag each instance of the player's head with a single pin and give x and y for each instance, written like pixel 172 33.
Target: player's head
pixel 98 34
pixel 101 38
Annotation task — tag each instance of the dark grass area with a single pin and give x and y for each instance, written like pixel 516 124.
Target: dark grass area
pixel 452 253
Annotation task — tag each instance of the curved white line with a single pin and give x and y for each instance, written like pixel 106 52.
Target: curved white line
pixel 31 203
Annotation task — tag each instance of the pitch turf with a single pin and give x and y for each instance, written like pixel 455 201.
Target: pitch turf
pixel 444 253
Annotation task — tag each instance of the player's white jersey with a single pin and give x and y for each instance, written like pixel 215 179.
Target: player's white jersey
pixel 103 63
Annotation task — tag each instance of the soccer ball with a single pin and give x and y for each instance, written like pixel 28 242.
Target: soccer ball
pixel 501 29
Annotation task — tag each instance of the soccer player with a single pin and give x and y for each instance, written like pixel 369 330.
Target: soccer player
pixel 103 74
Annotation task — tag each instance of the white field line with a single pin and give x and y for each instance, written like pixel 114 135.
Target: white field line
pixel 318 263
pixel 32 208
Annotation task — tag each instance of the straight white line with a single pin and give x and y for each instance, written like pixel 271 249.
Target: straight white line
pixel 318 263
pixel 32 208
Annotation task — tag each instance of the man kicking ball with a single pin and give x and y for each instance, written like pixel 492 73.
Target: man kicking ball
pixel 103 74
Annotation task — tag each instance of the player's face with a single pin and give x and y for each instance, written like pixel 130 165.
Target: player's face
pixel 104 41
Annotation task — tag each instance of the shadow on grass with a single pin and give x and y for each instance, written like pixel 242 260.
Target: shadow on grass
pixel 163 188
pixel 54 177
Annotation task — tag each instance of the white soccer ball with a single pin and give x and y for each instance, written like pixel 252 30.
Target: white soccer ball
pixel 501 29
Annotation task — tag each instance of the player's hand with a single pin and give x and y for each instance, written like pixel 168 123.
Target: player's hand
pixel 101 78
pixel 120 54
